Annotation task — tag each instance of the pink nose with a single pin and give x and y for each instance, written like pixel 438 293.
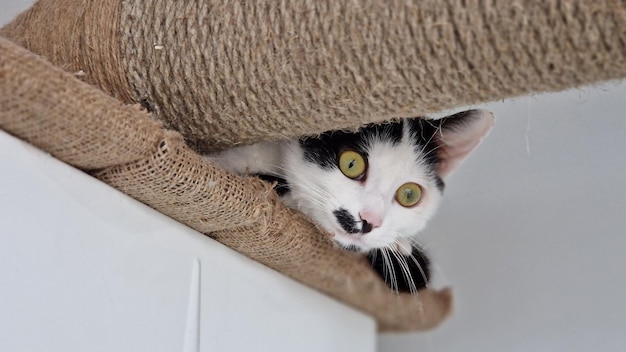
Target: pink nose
pixel 371 217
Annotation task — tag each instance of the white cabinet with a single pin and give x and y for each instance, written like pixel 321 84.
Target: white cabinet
pixel 83 267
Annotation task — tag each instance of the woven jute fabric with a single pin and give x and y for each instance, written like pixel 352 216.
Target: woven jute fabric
pixel 178 182
pixel 71 120
pixel 81 37
pixel 244 214
pixel 226 72
pixel 125 148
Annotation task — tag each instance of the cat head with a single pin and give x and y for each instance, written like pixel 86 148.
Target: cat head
pixel 380 185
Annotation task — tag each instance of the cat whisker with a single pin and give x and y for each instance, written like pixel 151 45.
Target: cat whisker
pixel 323 196
pixel 404 267
pixel 302 179
pixel 438 131
pixel 374 255
pixel 392 275
pixel 414 260
pixel 313 206
pixel 401 151
pixel 305 180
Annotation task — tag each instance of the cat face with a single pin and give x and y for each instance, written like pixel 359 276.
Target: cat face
pixel 382 184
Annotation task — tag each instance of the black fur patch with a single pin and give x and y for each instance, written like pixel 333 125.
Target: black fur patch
pixel 391 131
pixel 426 135
pixel 324 150
pixel 366 227
pixel 346 220
pixel 419 269
pixel 282 187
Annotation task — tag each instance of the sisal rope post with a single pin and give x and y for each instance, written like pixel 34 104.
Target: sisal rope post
pixel 226 72
pixel 123 147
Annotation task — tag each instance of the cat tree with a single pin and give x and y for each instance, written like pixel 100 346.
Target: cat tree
pixel 129 91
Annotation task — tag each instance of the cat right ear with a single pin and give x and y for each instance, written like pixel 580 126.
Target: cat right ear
pixel 458 135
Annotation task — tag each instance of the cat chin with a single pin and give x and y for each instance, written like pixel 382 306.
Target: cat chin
pixel 349 248
pixel 352 243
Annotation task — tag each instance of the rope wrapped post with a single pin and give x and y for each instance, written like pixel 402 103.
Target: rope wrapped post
pixel 228 72
pixel 223 73
pixel 123 147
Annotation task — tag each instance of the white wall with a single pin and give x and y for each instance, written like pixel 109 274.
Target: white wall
pixel 11 8
pixel 84 267
pixel 532 231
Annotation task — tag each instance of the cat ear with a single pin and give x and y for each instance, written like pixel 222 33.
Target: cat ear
pixel 458 135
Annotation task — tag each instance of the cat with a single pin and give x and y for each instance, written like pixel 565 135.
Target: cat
pixel 373 189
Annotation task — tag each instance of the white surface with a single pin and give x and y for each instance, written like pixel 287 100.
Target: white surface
pixel 532 230
pixel 85 268
pixel 11 8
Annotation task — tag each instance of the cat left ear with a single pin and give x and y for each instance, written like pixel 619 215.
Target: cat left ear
pixel 458 135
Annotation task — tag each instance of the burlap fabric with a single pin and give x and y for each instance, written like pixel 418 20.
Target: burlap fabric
pixel 230 72
pixel 226 72
pixel 122 146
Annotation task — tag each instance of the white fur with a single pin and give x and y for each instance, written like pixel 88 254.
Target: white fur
pixel 318 192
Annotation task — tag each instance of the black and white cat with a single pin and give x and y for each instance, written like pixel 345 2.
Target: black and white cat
pixel 374 189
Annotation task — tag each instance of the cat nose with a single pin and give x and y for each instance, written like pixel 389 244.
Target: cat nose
pixel 370 221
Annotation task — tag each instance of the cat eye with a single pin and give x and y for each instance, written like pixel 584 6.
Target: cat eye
pixel 409 194
pixel 352 164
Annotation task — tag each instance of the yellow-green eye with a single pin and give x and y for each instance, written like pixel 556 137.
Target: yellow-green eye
pixel 352 164
pixel 409 194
